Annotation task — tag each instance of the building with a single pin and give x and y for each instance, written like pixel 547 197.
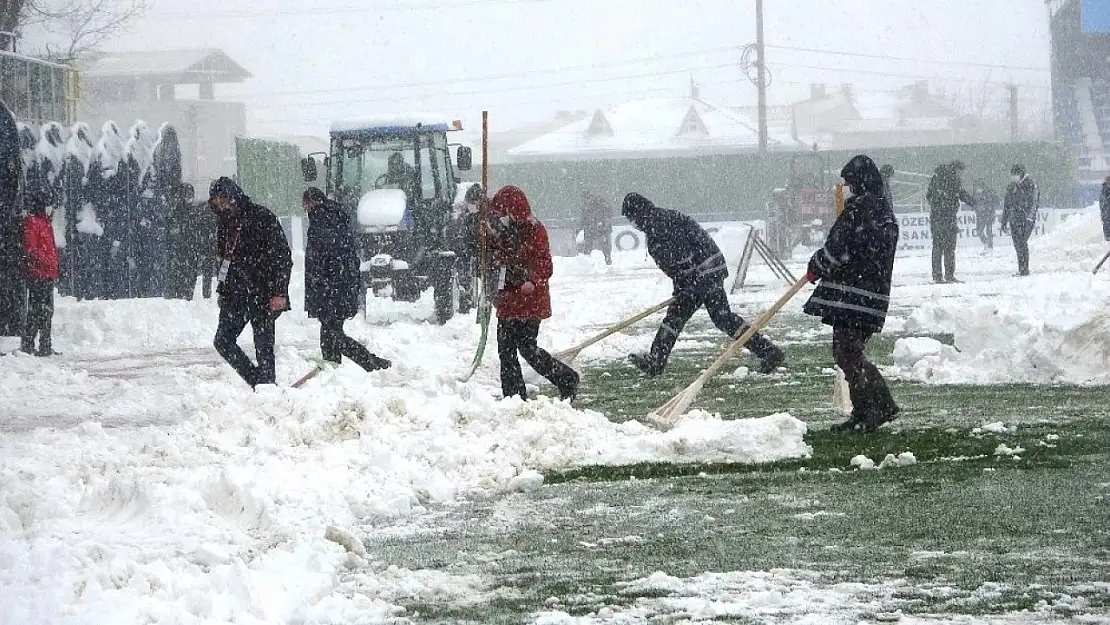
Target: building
pixel 127 86
pixel 847 119
pixel 653 128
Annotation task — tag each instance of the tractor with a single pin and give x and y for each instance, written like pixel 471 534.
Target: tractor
pixel 803 211
pixel 396 180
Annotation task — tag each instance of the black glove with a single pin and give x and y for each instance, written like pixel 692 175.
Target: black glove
pixel 515 275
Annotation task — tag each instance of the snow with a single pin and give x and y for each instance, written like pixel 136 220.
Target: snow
pixel 388 121
pixel 381 208
pixel 142 481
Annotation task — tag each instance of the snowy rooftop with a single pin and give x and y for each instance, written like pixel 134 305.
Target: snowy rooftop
pixel 652 126
pixel 190 64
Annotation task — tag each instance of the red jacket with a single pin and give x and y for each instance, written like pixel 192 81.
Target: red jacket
pixel 528 250
pixel 38 243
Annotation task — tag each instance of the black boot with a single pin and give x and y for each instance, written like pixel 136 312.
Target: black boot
pixel 769 354
pixel 646 364
pixel 880 407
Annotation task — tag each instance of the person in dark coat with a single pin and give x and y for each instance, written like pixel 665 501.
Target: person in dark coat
pixel 108 187
pixel 332 281
pixel 466 243
pixel 854 268
pixel 43 270
pixel 254 279
pixel 1019 214
pixel 596 226
pixel 1104 208
pixel 521 254
pixel 696 266
pixel 85 232
pixel 887 172
pixel 944 194
pixel 182 231
pixel 986 208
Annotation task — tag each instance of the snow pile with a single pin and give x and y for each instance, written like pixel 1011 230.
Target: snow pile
pixel 904 459
pixel 1048 328
pixel 1076 241
pixel 182 496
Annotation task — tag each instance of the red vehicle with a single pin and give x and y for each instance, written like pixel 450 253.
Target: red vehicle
pixel 804 210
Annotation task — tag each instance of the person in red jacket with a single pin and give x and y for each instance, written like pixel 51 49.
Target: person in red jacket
pixel 521 257
pixel 43 269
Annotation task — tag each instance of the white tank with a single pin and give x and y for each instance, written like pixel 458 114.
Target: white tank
pixel 382 209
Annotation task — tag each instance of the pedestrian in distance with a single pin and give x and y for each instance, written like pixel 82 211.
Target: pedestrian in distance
pixel 1019 214
pixel 986 209
pixel 944 194
pixel 596 226
pixel 43 271
pixel 332 281
pixel 1104 208
pixel 521 256
pixel 255 263
pixel 854 270
pixel 684 251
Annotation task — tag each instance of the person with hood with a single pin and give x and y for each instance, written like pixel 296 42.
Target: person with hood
pixel 466 244
pixel 85 231
pixel 944 194
pixel 1019 214
pixel 854 268
pixel 684 251
pixel 521 254
pixel 108 191
pixel 27 143
pixel 986 207
pixel 148 213
pixel 166 184
pixel 254 279
pixel 596 226
pixel 43 269
pixel 50 158
pixel 332 281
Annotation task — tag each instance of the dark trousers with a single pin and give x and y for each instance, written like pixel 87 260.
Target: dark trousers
pixel 944 254
pixel 40 314
pixel 89 266
pixel 986 233
pixel 335 344
pixel 870 395
pixel 234 317
pixel 716 304
pixel 518 336
pixel 1020 232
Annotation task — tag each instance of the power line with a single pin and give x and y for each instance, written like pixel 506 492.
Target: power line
pixel 499 89
pixel 399 6
pixel 455 81
pixel 906 58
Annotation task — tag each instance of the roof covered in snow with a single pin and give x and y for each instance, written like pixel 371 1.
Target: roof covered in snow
pixel 653 127
pixel 188 65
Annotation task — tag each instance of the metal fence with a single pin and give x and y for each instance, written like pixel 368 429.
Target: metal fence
pixel 38 91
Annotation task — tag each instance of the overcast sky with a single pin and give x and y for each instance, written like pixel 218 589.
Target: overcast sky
pixel 525 59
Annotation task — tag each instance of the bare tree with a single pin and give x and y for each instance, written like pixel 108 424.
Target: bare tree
pixel 70 28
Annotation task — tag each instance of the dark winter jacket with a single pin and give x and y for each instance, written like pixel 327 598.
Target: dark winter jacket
pixel 331 267
pixel 521 253
pixel 679 245
pixel 260 259
pixel 986 207
pixel 944 195
pixel 855 266
pixel 597 220
pixel 1020 206
pixel 888 194
pixel 1104 208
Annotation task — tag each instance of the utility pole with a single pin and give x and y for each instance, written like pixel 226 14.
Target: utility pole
pixel 1013 112
pixel 762 79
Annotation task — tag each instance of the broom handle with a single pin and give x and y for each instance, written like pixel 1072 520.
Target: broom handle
pixel 753 328
pixel 620 326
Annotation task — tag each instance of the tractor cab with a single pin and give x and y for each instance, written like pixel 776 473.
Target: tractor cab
pixel 396 180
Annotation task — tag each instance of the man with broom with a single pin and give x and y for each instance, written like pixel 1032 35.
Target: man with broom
pixel 696 266
pixel 854 268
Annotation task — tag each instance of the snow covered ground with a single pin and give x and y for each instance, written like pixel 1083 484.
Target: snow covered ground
pixel 142 481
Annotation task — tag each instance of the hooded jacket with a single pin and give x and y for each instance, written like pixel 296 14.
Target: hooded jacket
pixel 679 245
pixel 1019 209
pixel 523 252
pixel 259 256
pixel 856 264
pixel 331 268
